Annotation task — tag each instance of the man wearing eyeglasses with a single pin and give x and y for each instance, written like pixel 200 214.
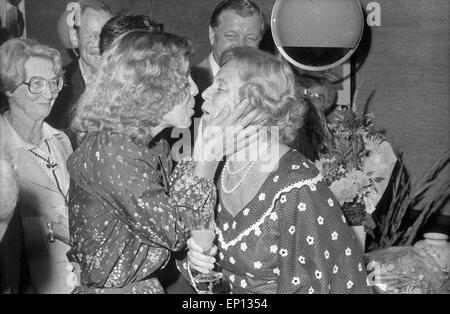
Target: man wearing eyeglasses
pixel 85 36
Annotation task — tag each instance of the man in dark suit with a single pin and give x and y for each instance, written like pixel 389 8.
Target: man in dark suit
pixel 85 36
pixel 233 23
pixel 74 86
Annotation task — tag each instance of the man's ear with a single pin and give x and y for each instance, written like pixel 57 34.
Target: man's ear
pixel 73 36
pixel 211 35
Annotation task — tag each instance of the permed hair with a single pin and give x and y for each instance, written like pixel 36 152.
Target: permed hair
pixel 269 85
pixel 243 8
pixel 122 23
pixel 141 77
pixel 14 53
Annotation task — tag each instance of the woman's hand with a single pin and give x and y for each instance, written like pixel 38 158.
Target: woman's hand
pixel 226 133
pixel 60 222
pixel 223 135
pixel 198 260
pixel 61 232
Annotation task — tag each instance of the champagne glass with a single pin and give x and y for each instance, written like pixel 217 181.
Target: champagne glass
pixel 202 227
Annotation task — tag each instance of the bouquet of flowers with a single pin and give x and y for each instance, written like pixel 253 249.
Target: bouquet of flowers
pixel 357 164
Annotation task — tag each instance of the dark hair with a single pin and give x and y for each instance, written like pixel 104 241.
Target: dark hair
pixel 242 8
pixel 122 23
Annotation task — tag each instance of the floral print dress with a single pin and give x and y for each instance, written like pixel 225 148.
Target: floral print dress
pixel 291 238
pixel 125 210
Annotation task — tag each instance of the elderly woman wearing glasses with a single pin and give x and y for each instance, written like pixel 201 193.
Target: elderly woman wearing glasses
pixel 31 78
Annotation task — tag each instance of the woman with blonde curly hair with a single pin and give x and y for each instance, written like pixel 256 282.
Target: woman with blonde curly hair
pixel 125 203
pixel 280 230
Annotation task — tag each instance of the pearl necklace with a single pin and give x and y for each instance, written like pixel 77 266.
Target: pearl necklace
pixel 249 166
pixel 227 168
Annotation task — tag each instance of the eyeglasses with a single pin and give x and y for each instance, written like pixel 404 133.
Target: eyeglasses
pixel 37 84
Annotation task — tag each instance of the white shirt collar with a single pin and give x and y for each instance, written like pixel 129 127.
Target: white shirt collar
pixel 17 142
pixel 214 66
pixel 82 70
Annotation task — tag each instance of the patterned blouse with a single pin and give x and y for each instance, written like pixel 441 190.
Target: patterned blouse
pixel 125 211
pixel 291 238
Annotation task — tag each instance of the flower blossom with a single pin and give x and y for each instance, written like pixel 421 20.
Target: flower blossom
pixel 344 190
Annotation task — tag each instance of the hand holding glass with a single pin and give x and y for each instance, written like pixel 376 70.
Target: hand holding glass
pixel 202 231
